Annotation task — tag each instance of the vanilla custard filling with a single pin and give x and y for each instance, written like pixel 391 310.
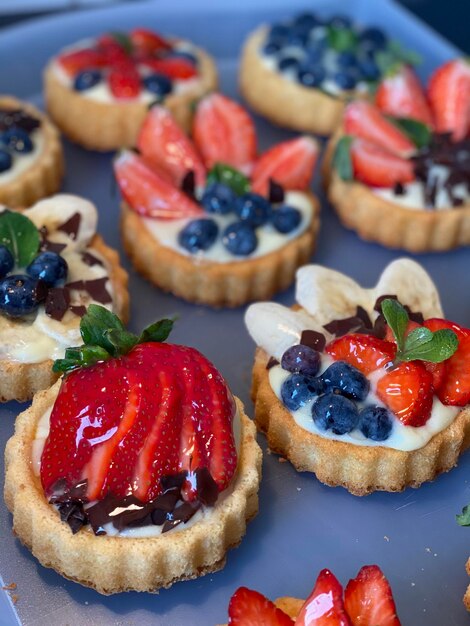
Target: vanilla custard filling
pixel 269 239
pixel 22 161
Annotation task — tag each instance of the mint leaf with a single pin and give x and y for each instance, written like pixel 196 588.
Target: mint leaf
pixel 397 318
pixel 418 336
pixel 20 236
pixel 440 347
pixel 229 176
pixel 464 518
pixel 80 357
pixel 419 133
pixel 123 40
pixel 342 39
pixel 122 341
pixel 158 331
pixel 409 57
pixel 95 323
pixel 342 158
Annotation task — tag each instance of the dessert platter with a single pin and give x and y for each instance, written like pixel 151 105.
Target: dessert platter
pixel 305 424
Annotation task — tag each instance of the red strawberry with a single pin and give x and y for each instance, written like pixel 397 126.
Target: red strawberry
pixel 147 42
pixel 389 336
pixel 368 599
pixel 175 68
pixel 113 51
pixel 163 143
pixel 149 193
pixel 377 167
pixel 224 133
pixel 290 163
pixel 366 352
pixel 324 606
pixel 401 95
pixel 250 608
pixel 74 62
pixel 449 95
pixel 363 119
pixel 407 390
pixel 124 83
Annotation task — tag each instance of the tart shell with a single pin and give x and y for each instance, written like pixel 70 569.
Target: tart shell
pixel 45 174
pixel 359 469
pixel 466 598
pixel 116 564
pixel 216 284
pixel 106 126
pixel 20 381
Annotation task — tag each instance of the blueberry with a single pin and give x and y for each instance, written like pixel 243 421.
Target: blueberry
pixel 346 59
pixel 279 31
pixel 198 235
pixel 240 238
pixel 340 21
pixel 298 37
pixel 297 390
pixel 345 79
pixel 375 422
pixel 373 38
pixel 5 160
pixel 17 139
pixel 86 80
pixel 285 219
pixel 288 63
pixel 20 295
pixel 368 69
pixel 334 412
pixel 311 75
pixel 307 21
pixel 253 208
pixel 183 54
pixel 50 267
pixel 158 84
pixel 272 47
pixel 343 378
pixel 218 198
pixel 301 359
pixel 6 261
pixel 315 51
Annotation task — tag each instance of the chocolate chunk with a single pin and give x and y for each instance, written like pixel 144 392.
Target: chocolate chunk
pixel 175 481
pixel 79 310
pixel 380 299
pixel 399 189
pixel 71 226
pixel 415 316
pixel 182 514
pixel 188 184
pixel 206 487
pixel 276 192
pixel 380 327
pixel 313 339
pixel 57 302
pixel 271 363
pixel 18 118
pixel 52 246
pixel 73 514
pixel 96 288
pixel 344 326
pixel 90 260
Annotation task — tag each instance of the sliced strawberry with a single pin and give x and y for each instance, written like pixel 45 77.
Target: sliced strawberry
pixel 449 95
pixel 149 193
pixel 124 83
pixel 377 167
pixel 366 352
pixel 324 606
pixel 250 608
pixel 290 163
pixel 401 95
pixel 368 599
pixel 438 372
pixel 389 336
pixel 363 119
pixel 437 323
pixel 224 133
pixel 114 53
pixel 145 41
pixel 74 62
pixel 175 68
pixel 407 390
pixel 163 143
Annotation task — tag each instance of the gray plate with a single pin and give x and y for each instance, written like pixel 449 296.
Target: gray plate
pixel 302 526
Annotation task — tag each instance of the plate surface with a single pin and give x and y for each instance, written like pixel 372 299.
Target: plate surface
pixel 302 526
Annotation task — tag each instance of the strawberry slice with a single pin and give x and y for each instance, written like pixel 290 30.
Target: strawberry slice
pixel 163 143
pixel 401 95
pixel 289 163
pixel 374 166
pixel 124 82
pixel 368 599
pixel 175 68
pixel 113 51
pixel 407 390
pixel 149 193
pixel 449 95
pixel 75 62
pixel 365 352
pixel 250 608
pixel 363 119
pixel 145 41
pixel 389 336
pixel 324 606
pixel 224 133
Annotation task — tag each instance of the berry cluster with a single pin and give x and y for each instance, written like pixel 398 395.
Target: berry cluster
pixel 16 127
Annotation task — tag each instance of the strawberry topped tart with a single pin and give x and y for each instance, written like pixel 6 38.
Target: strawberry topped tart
pixel 367 388
pixel 208 219
pixel 98 90
pixel 136 470
pixel 366 601
pixel 399 169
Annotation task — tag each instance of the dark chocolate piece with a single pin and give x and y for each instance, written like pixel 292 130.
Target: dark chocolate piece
pixel 206 486
pixel 79 309
pixel 182 514
pixel 399 189
pixel 188 184
pixel 71 226
pixel 57 302
pixel 90 260
pixel 313 339
pixel 276 192
pixel 18 118
pixel 271 363
pixel 96 288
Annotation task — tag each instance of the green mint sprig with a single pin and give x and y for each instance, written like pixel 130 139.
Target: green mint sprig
pixel 123 40
pixel 421 343
pixel 229 176
pixel 464 518
pixel 20 235
pixel 420 134
pixel 104 337
pixel 342 158
pixel 342 39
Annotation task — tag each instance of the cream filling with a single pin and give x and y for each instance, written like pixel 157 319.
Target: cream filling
pixel 22 162
pixel 269 239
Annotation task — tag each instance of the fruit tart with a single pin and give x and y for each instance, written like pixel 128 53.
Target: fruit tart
pixel 137 469
pixel 31 159
pixel 366 601
pixel 98 90
pixel 399 169
pixel 208 219
pixel 299 73
pixel 52 266
pixel 367 388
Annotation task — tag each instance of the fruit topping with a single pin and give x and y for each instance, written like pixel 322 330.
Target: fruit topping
pixel 80 60
pixel 240 238
pixel 146 42
pixel 250 608
pixel 20 295
pixel 253 209
pixel 298 389
pixel 375 422
pixel 286 219
pixel 324 606
pixel 198 235
pixel 17 140
pixel 218 198
pixel 368 599
pixel 49 267
pixel 335 412
pixel 400 95
pixel 124 83
pixel 300 359
pixel 377 167
pixel 6 160
pixel 345 379
pixel 364 352
pixel 449 94
pixel 7 261
pixel 87 79
pixel 172 67
pixel 158 84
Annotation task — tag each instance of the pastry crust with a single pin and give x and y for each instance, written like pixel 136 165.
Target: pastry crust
pixel 20 381
pixel 116 564
pixel 216 284
pixel 45 174
pixel 376 219
pixel 466 598
pixel 359 469
pixel 285 102
pixel 108 126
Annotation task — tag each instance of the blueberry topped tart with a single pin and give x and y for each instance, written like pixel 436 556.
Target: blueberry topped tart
pixel 204 218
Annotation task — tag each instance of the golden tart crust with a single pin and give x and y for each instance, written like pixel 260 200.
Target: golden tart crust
pixel 359 469
pixel 108 126
pixel 115 564
pixel 20 381
pixel 466 598
pixel 44 176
